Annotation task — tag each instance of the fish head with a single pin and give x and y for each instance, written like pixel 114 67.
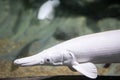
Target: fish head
pixel 47 57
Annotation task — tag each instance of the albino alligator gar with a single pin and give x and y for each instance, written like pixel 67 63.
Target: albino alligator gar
pixel 47 10
pixel 80 53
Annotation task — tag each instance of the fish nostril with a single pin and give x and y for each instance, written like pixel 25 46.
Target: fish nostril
pixel 41 61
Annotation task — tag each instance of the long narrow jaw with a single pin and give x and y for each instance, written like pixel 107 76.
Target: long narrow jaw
pixel 29 61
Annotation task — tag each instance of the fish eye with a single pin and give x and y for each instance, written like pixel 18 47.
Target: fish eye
pixel 48 60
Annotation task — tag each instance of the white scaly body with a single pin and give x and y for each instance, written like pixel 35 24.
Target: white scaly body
pixel 80 53
pixel 46 11
pixel 97 48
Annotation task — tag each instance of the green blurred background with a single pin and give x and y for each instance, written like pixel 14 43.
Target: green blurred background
pixel 22 34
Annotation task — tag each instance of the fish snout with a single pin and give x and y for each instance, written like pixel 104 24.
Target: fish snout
pixel 28 62
pixel 17 62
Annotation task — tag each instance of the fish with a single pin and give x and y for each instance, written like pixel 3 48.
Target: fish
pixel 46 11
pixel 80 53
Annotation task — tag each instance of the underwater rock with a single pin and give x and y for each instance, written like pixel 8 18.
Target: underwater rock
pixel 65 34
pixel 108 24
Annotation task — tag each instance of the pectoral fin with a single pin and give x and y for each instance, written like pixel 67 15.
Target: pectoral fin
pixel 87 69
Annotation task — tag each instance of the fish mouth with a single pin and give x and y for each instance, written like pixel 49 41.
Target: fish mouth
pixel 57 64
pixel 20 63
pixel 28 62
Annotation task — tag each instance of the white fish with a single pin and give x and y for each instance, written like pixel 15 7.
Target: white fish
pixel 46 11
pixel 80 53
